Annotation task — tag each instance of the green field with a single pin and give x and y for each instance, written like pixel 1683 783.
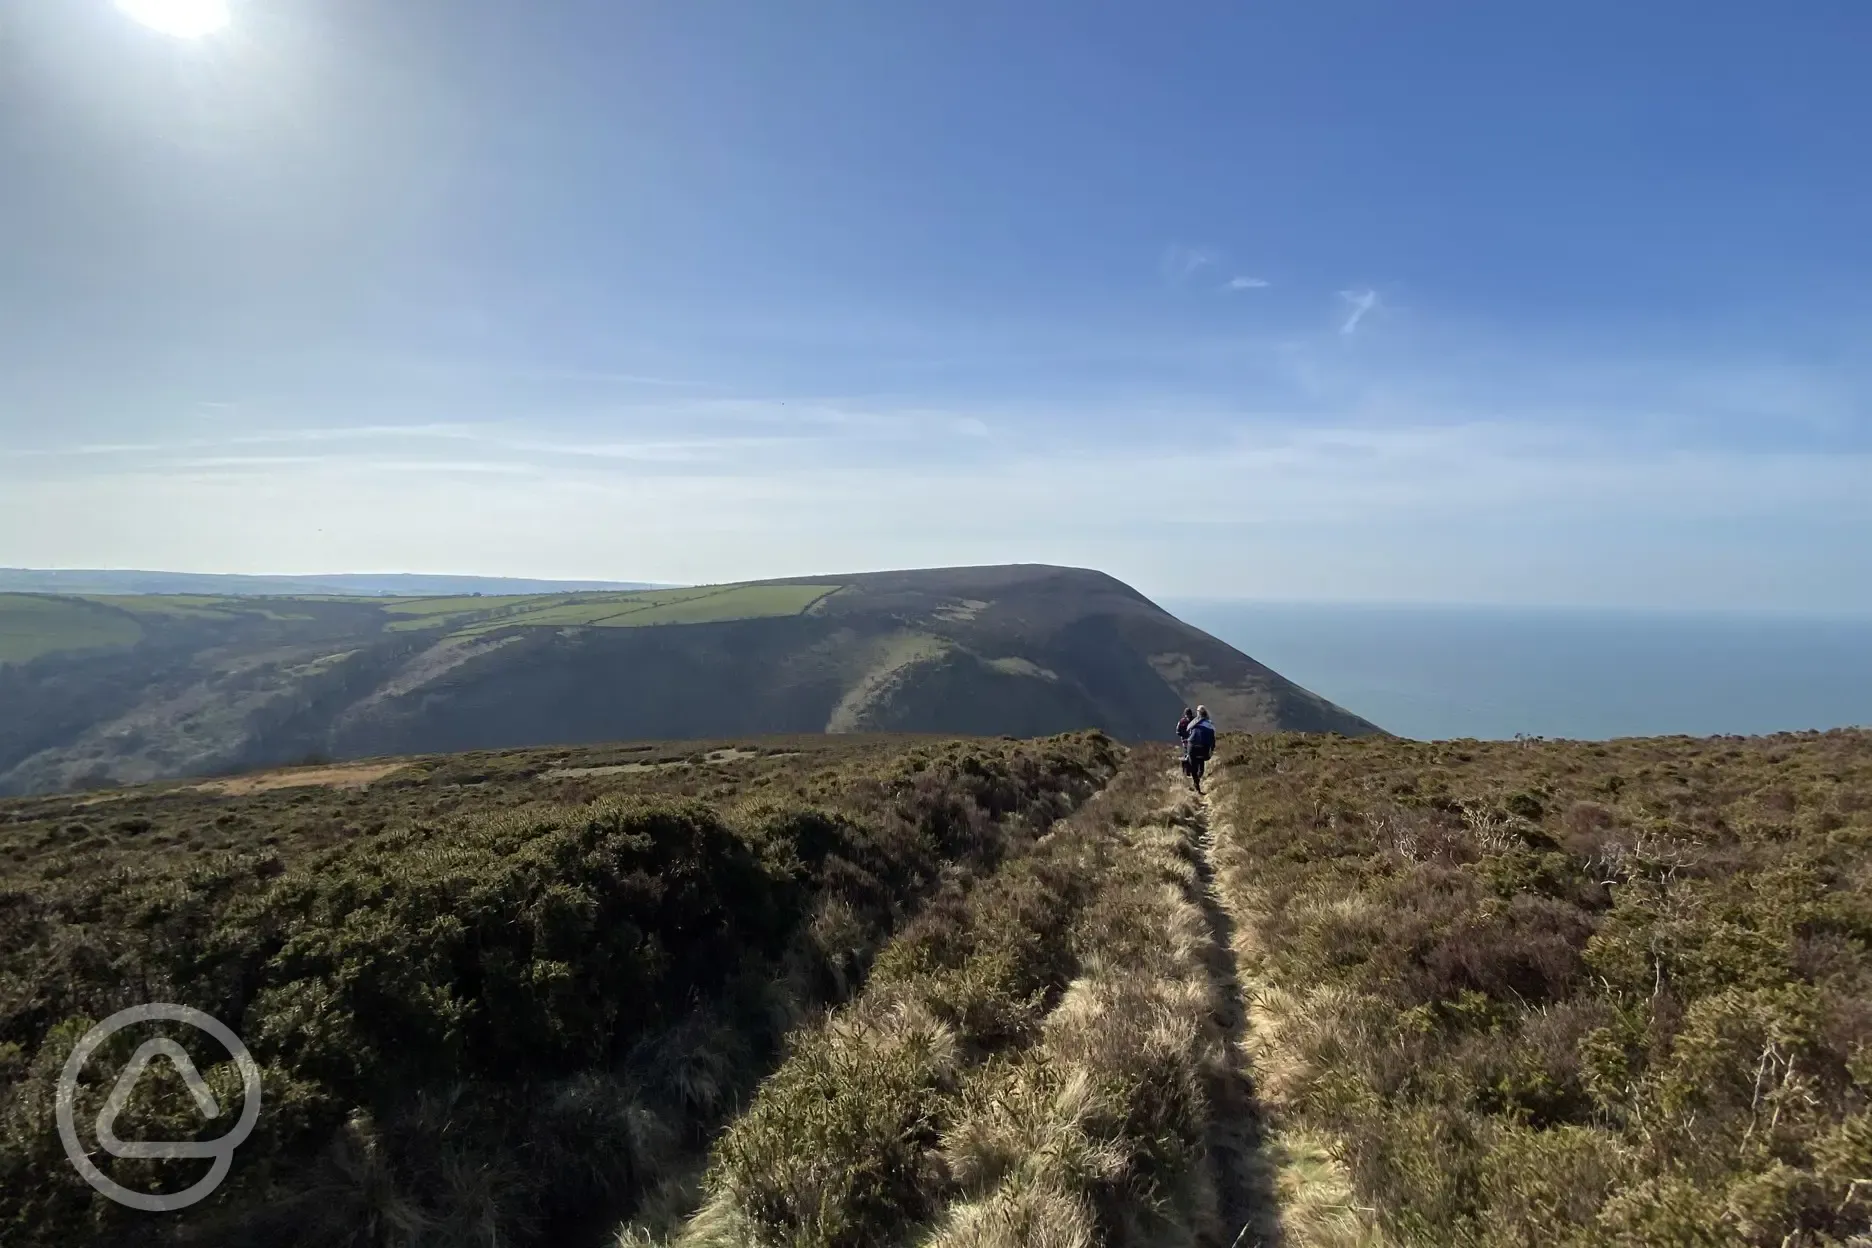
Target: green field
pixel 195 606
pixel 32 625
pixel 466 604
pixel 470 617
pixel 171 604
pixel 735 603
pixel 709 605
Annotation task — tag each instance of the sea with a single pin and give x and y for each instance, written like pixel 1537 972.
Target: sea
pixel 1439 672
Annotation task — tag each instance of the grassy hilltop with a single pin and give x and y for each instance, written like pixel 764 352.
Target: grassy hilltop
pixel 130 688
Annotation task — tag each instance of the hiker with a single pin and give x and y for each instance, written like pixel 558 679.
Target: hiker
pixel 1183 727
pixel 1201 745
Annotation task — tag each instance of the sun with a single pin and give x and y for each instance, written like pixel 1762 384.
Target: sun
pixel 185 19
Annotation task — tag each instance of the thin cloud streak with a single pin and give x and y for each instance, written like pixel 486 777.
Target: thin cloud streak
pixel 1362 301
pixel 1247 283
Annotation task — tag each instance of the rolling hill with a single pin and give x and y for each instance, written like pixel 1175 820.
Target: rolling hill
pixel 104 689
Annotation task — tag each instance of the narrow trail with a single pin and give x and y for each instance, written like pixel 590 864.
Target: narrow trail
pixel 1244 1177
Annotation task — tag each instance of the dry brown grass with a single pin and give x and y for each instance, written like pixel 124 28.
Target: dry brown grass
pixel 1033 1063
pixel 340 776
pixel 732 754
pixel 1110 1102
pixel 1315 1206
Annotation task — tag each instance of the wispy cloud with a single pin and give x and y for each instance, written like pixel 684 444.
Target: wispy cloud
pixel 242 461
pixel 1181 261
pixel 739 436
pixel 1361 301
pixel 1246 283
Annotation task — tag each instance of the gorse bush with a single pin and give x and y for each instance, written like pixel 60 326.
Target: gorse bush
pixel 1568 993
pixel 501 1027
pixel 534 943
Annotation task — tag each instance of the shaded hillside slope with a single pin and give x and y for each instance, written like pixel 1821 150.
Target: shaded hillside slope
pixel 129 689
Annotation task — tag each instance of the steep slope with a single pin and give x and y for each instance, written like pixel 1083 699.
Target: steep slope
pixel 153 687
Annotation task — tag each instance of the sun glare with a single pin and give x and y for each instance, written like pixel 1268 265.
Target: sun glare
pixel 185 19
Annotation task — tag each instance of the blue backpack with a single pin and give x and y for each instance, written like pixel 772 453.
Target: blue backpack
pixel 1202 739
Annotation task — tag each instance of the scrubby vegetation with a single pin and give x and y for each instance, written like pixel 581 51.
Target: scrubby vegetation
pixel 835 992
pixel 1036 1060
pixel 497 999
pixel 1561 993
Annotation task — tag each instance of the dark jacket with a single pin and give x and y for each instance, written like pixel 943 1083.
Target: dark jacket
pixel 1202 736
pixel 1183 727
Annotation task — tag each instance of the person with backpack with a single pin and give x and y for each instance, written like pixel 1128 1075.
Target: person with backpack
pixel 1183 727
pixel 1202 738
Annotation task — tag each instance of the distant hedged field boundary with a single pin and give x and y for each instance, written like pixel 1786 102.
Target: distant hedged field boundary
pixel 35 624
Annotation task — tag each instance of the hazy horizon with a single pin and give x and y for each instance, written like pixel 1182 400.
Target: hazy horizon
pixel 1442 671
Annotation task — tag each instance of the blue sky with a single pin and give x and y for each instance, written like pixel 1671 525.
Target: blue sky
pixel 1340 301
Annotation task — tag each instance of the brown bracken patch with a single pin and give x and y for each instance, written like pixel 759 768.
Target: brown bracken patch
pixel 346 776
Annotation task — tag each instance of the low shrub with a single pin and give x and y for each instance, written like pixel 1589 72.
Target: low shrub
pixel 1562 992
pixel 505 1026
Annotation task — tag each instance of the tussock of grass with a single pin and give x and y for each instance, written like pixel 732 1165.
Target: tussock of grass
pixel 1316 1204
pixel 1030 1063
pixel 1024 1210
pixel 1563 993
